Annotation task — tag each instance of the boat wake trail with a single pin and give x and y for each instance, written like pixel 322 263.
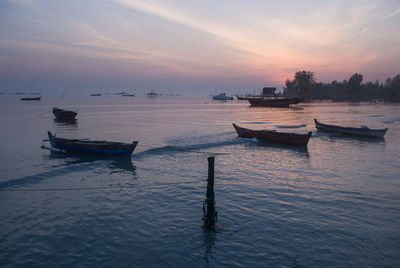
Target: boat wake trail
pixel 171 149
pixel 391 120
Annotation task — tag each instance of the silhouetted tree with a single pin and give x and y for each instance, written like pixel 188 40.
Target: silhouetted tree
pixel 304 85
pixel 301 86
pixel 392 89
pixel 303 82
pixel 354 86
pixel 289 90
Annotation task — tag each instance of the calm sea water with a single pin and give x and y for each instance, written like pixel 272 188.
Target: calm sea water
pixel 335 203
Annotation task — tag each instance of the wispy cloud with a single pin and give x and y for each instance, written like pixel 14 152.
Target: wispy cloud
pixel 361 32
pixel 177 15
pixel 263 39
pixel 394 13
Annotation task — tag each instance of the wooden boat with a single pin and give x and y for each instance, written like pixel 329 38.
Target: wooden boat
pixel 222 96
pixel 361 131
pixel 128 95
pixel 277 103
pixel 64 115
pixel 95 94
pixel 272 135
pixel 249 97
pixel 106 148
pixel 32 98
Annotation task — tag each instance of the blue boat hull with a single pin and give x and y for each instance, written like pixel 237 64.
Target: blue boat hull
pixel 92 147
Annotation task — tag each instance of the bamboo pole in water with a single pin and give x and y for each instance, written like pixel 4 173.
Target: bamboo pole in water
pixel 209 211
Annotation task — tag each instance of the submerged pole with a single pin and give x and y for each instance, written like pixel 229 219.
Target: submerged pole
pixel 209 212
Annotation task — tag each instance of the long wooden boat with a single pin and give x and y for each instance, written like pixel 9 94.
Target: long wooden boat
pixel 64 115
pixel 277 103
pixel 106 148
pixel 361 131
pixel 275 136
pixel 249 97
pixel 31 98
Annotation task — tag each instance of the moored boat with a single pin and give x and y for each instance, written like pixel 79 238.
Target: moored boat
pixel 276 103
pixel 106 148
pixel 275 136
pixel 64 115
pixel 31 98
pixel 249 97
pixel 361 131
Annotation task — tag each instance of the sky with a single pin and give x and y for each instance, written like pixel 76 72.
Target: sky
pixel 171 46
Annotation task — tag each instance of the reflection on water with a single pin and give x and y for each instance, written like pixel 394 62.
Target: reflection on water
pixel 65 125
pixel 292 206
pixel 114 164
pixel 66 122
pixel 209 238
pixel 252 144
pixel 75 163
pixel 335 136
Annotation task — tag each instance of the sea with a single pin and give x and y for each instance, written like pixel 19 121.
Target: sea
pixel 334 203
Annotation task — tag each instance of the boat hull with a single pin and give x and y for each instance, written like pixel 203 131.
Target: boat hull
pixel 92 147
pixel 31 99
pixel 274 136
pixel 276 103
pixel 64 115
pixel 248 98
pixel 363 131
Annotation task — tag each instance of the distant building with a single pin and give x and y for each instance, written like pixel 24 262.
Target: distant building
pixel 268 91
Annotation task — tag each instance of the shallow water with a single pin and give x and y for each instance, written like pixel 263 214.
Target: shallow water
pixel 334 203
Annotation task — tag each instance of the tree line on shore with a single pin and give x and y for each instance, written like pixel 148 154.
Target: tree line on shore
pixel 304 85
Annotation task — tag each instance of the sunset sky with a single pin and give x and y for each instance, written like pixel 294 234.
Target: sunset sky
pixel 193 46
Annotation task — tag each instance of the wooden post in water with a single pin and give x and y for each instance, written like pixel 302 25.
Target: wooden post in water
pixel 209 212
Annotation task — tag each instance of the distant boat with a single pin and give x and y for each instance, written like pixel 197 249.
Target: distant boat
pixel 152 94
pixel 120 93
pixel 274 136
pixel 361 131
pixel 95 94
pixel 222 96
pixel 127 95
pixel 106 148
pixel 33 99
pixel 64 115
pixel 277 103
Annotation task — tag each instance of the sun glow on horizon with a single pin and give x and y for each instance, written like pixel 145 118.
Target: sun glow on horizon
pixel 244 44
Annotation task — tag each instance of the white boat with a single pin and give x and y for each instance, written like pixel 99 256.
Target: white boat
pixel 222 96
